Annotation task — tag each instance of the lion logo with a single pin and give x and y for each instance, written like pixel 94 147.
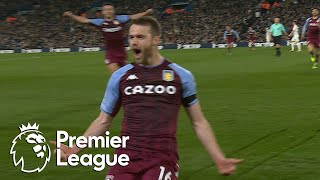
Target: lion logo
pixel 30 149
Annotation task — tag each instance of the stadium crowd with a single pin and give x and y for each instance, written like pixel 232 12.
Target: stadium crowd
pixel 38 24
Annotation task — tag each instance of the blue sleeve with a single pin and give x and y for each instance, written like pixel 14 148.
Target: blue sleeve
pixel 236 34
pixel 305 26
pixel 96 22
pixel 123 18
pixel 188 85
pixel 112 93
pixel 225 35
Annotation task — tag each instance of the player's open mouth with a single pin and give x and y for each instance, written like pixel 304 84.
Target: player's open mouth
pixel 137 53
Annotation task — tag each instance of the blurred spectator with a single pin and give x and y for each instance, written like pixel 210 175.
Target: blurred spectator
pixel 10 19
pixel 201 21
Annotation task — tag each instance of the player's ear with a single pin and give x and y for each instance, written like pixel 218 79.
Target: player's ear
pixel 156 40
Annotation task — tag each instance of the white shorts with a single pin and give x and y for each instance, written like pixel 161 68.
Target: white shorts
pixel 295 39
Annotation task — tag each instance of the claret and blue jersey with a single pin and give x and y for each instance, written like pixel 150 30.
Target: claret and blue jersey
pixel 311 25
pixel 120 18
pixel 112 31
pixel 151 98
pixel 113 34
pixel 230 34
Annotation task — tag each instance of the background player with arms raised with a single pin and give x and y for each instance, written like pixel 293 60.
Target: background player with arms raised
pixel 151 91
pixel 230 37
pixel 111 27
pixel 295 37
pixel 251 38
pixel 312 24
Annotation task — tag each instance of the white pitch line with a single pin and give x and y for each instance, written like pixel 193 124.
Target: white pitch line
pixel 14 59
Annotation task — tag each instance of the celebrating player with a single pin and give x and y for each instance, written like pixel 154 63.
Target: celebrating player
pixel 151 91
pixel 111 27
pixel 313 25
pixel 230 36
pixel 295 37
pixel 277 30
pixel 252 38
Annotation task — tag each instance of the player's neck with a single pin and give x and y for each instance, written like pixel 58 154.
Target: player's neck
pixel 109 18
pixel 154 60
pixel 157 59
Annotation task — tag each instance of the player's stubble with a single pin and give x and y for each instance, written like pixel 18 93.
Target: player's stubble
pixel 146 46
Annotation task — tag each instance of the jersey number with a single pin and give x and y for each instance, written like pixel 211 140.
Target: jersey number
pixel 166 176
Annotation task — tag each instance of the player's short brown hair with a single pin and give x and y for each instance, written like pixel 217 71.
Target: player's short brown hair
pixel 107 4
pixel 153 23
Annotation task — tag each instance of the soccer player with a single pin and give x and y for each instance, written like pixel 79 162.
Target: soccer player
pixel 295 37
pixel 252 38
pixel 277 30
pixel 230 37
pixel 111 27
pixel 268 37
pixel 151 91
pixel 313 25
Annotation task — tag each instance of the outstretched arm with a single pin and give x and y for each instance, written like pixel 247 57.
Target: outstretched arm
pixel 200 123
pixel 236 34
pixel 139 15
pixel 76 18
pixel 98 127
pixel 206 136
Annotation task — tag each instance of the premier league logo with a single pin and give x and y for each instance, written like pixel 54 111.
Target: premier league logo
pixel 30 150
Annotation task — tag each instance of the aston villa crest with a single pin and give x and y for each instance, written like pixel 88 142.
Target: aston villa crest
pixel 167 75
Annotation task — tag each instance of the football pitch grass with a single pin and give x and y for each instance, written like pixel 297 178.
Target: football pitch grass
pixel 262 108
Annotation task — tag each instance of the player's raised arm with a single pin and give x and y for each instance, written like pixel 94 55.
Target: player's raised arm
pixel 76 18
pixel 139 15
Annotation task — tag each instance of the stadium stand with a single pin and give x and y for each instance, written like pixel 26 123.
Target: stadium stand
pixel 38 24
